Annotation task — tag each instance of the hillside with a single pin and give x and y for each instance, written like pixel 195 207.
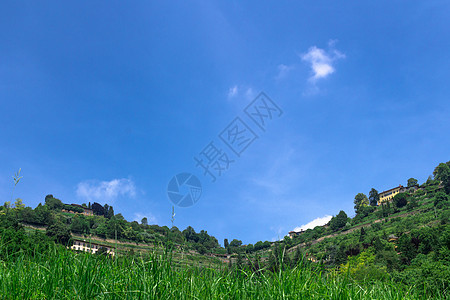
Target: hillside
pixel 404 241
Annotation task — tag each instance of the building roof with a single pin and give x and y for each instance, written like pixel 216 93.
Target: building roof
pixel 400 186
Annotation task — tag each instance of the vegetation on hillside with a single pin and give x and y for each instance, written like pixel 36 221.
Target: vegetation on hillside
pixel 400 249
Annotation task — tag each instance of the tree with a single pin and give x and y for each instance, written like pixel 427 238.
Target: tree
pixel 441 200
pixel 59 232
pixel 144 221
pixel 18 205
pixel 110 213
pixel 360 201
pixel 98 209
pixel 235 243
pixel 201 249
pixel 105 209
pixel 26 215
pixel 190 235
pixel 412 203
pixel 338 221
pixel 442 174
pixel 400 200
pixel 225 243
pixel 79 224
pixel 53 203
pixel 412 182
pixel 116 226
pixel 43 215
pixel 362 235
pixel 374 197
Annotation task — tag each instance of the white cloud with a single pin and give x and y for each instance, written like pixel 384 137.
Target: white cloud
pixel 233 91
pixel 151 219
pixel 250 94
pixel 322 61
pixel 245 91
pixel 316 222
pixel 283 71
pixel 106 191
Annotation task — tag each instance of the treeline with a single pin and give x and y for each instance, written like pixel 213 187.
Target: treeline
pixel 62 219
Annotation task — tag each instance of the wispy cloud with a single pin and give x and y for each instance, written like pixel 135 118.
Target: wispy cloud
pixel 237 91
pixel 283 71
pixel 322 61
pixel 102 191
pixel 281 172
pixel 316 222
pixel 233 91
pixel 279 231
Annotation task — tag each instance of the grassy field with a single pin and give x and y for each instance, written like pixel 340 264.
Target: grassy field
pixel 64 274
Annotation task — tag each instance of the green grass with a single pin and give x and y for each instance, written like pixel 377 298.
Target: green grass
pixel 64 274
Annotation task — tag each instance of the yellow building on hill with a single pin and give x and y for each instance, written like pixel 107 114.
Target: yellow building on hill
pixel 389 194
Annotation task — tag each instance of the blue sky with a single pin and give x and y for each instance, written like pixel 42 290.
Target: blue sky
pixel 106 101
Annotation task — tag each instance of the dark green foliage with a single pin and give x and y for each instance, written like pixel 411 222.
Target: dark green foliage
pixel 80 224
pixel 190 235
pixel 298 257
pixel 59 232
pixel 43 215
pixel 442 174
pixel 201 249
pixel 98 209
pixel 108 212
pixel 260 245
pixel 412 203
pixel 338 221
pixel 53 203
pixel 373 197
pixel 363 212
pixel 441 200
pixel 235 243
pixel 362 235
pixel 400 200
pixel 360 202
pixel 445 217
pixel 412 182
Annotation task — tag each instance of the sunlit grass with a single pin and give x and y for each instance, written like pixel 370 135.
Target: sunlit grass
pixel 63 274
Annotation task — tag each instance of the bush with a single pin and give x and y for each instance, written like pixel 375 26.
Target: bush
pixel 400 200
pixel 440 200
pixel 412 203
pixel 445 217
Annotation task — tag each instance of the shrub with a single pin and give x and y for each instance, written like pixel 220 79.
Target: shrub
pixel 440 200
pixel 400 200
